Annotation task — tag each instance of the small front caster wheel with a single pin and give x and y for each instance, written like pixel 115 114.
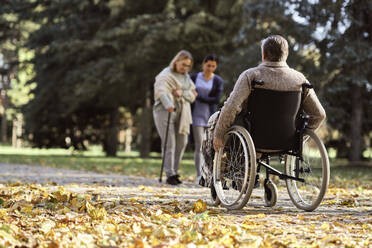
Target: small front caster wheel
pixel 271 193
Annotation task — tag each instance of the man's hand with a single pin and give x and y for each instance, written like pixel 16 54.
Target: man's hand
pixel 217 144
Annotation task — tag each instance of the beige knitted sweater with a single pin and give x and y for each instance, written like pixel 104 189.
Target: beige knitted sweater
pixel 165 83
pixel 276 76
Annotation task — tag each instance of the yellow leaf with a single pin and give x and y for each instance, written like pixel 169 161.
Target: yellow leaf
pixel 27 208
pixel 329 202
pixel 260 216
pixel 53 244
pixel 136 228
pixel 189 236
pixel 139 243
pixel 61 195
pixel 161 232
pixel 199 206
pixel 64 210
pixel 160 195
pixel 3 213
pixel 7 237
pixel 349 203
pixel 15 184
pixel 77 204
pixel 251 241
pixel 301 217
pixel 227 240
pixel 154 241
pixel 325 226
pixel 95 213
pixel 46 226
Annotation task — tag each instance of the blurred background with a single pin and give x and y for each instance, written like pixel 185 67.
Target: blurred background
pixel 79 74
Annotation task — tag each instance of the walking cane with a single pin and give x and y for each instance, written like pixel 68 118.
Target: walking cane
pixel 165 147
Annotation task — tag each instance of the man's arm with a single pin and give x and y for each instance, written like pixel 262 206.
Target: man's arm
pixel 231 108
pixel 314 109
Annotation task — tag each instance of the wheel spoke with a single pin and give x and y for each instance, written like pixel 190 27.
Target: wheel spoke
pixel 314 169
pixel 232 170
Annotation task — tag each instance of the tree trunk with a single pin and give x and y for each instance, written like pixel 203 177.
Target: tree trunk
pixel 128 136
pixel 356 124
pixel 4 125
pixel 14 133
pixel 146 127
pixel 17 131
pixel 5 102
pixel 110 145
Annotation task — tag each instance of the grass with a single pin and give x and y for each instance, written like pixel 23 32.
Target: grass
pixel 93 160
pixel 131 164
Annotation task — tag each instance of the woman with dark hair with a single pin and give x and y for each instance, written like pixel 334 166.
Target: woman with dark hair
pixel 209 87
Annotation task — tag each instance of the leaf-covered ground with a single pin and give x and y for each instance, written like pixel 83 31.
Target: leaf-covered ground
pixel 123 211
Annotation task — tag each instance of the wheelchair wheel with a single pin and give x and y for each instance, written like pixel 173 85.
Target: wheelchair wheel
pixel 314 169
pixel 271 193
pixel 234 169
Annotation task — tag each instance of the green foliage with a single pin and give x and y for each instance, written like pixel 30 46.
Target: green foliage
pixel 14 59
pixel 90 58
pixel 93 57
pixel 259 21
pixel 344 41
pixel 20 92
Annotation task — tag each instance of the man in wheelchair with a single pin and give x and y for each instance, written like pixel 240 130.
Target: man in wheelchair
pixel 276 105
pixel 275 75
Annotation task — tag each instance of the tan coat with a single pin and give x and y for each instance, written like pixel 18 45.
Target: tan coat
pixel 165 83
pixel 276 76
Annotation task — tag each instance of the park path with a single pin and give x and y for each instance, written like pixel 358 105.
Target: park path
pixel 114 185
pixel 148 189
pixel 108 184
pixel 343 220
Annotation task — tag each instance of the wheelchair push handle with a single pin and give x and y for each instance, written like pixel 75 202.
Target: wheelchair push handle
pixel 257 82
pixel 307 85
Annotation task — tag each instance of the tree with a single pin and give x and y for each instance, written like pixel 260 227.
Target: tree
pixel 91 57
pixel 14 69
pixel 345 48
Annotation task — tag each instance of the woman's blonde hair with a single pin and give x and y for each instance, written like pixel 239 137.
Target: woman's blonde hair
pixel 181 55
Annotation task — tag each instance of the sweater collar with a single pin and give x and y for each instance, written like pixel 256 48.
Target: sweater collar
pixel 274 64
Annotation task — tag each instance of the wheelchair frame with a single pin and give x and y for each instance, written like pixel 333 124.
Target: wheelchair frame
pixel 264 161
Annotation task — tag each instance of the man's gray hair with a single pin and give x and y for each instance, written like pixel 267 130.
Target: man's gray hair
pixel 275 48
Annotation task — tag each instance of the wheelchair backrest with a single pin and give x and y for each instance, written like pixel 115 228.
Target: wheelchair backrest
pixel 272 117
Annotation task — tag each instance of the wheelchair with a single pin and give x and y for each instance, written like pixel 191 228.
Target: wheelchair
pixel 273 124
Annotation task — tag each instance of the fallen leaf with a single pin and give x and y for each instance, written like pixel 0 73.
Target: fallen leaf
pixel 199 206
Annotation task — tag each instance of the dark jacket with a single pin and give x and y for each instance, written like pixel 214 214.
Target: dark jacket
pixel 214 96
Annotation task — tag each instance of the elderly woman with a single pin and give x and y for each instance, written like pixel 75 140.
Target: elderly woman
pixel 174 91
